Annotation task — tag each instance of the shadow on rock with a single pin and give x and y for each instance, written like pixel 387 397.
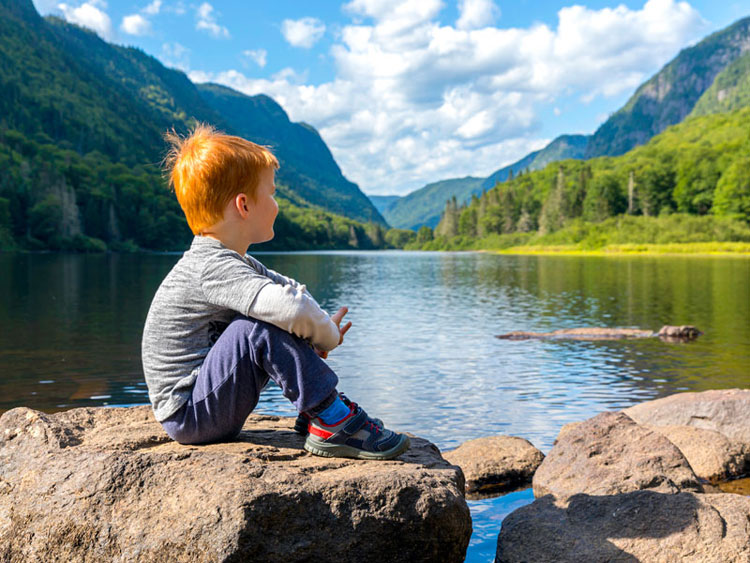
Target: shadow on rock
pixel 637 526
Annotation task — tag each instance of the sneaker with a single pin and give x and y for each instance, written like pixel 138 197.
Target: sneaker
pixel 357 436
pixel 303 419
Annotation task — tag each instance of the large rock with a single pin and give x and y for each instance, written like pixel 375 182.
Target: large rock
pixel 724 411
pixel 640 526
pixel 496 463
pixel 108 485
pixel 711 455
pixel 610 454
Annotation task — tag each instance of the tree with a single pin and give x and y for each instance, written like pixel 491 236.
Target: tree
pixel 554 208
pixel 448 225
pixel 732 194
pixel 424 235
pixel 605 198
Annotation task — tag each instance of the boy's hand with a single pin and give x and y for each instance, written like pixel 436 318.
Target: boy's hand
pixel 337 317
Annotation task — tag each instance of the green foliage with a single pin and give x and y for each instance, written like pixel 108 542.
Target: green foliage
pixel 604 198
pixel 733 190
pixel 699 167
pixel 424 235
pixel 730 90
pixel 423 206
pixel 81 124
pixel 399 238
pixel 671 94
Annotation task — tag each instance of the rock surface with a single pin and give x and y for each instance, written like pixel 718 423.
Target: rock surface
pixel 711 455
pixel 589 333
pixel 107 484
pixel 496 463
pixel 724 411
pixel 610 454
pixel 631 527
pixel 668 333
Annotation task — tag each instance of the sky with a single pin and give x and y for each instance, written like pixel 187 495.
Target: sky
pixel 408 92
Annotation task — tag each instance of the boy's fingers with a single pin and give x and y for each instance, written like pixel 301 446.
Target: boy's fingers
pixel 338 315
pixel 347 326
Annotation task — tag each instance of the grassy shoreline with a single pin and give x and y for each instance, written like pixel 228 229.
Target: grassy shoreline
pixel 731 249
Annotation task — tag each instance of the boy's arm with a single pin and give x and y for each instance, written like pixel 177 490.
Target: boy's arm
pixel 276 277
pixel 294 310
pixel 232 283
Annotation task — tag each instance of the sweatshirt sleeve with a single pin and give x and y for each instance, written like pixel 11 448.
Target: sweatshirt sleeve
pixel 292 309
pixel 277 277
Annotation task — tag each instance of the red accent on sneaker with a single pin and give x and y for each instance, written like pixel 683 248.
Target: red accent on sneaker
pixel 319 432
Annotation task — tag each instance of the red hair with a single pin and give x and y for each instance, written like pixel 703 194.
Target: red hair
pixel 208 168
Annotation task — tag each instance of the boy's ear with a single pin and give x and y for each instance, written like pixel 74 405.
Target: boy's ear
pixel 240 203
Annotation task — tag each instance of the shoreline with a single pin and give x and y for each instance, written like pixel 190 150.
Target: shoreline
pixel 696 249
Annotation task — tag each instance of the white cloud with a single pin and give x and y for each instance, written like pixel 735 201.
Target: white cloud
pixel 135 24
pixel 304 32
pixel 91 15
pixel 153 8
pixel 414 101
pixel 476 14
pixel 176 56
pixel 207 22
pixel 258 56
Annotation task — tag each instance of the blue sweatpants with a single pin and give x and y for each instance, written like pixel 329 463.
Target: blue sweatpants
pixel 236 369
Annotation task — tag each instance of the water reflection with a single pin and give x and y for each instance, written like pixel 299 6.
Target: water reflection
pixel 422 353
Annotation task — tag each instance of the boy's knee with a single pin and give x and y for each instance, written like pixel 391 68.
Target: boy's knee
pixel 255 329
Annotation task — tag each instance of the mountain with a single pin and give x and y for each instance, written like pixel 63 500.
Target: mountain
pixel 307 164
pixel 670 95
pixel 561 148
pixel 423 206
pixel 730 90
pixel 383 202
pixel 81 125
pixel 689 183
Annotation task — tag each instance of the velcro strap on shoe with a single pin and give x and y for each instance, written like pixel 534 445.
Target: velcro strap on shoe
pixel 355 423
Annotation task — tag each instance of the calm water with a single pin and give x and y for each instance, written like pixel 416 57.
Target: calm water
pixel 422 354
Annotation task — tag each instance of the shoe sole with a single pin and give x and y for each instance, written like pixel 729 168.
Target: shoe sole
pixel 318 447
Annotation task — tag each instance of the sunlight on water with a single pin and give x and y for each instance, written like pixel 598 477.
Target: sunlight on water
pixel 422 353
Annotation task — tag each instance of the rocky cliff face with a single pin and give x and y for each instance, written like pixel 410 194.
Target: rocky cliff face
pixel 669 96
pixel 109 485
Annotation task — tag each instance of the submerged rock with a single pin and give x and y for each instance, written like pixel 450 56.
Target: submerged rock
pixel 667 333
pixel 106 484
pixel 637 526
pixel 496 464
pixel 610 454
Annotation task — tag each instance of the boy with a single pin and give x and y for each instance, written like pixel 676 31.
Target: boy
pixel 221 324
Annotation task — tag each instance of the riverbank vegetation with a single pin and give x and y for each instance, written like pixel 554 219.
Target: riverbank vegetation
pixel 690 184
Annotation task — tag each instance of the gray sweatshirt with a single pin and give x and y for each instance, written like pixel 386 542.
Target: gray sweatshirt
pixel 202 293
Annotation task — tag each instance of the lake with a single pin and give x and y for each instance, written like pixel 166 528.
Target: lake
pixel 422 353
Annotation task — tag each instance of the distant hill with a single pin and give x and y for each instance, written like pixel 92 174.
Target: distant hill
pixel 730 90
pixel 383 202
pixel 307 165
pixel 423 206
pixel 81 125
pixel 670 95
pixel 562 148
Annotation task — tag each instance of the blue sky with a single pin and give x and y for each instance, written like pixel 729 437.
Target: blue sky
pixel 407 92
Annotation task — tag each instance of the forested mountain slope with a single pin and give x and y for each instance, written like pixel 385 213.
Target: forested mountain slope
pixel 81 125
pixel 423 206
pixel 670 95
pixel 730 90
pixel 699 167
